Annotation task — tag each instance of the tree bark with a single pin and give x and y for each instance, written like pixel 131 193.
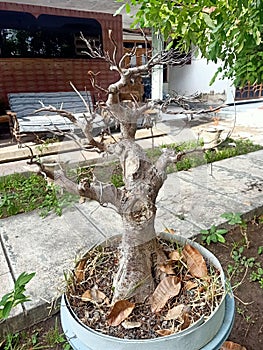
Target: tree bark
pixel 135 276
pixel 138 250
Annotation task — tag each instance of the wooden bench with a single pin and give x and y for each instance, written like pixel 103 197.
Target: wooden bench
pixel 25 121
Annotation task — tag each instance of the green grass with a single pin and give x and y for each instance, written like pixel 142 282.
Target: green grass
pixel 36 339
pixel 200 158
pixel 23 193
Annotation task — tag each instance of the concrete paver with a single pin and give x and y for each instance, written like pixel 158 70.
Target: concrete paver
pixel 223 181
pixel 48 247
pixel 244 120
pixel 199 205
pixel 251 161
pixel 170 219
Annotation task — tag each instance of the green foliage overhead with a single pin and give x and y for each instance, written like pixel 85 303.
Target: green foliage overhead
pixel 230 31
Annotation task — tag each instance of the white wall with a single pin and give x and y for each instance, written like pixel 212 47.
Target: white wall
pixel 195 77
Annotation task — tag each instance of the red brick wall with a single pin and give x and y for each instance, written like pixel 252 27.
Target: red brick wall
pixel 49 75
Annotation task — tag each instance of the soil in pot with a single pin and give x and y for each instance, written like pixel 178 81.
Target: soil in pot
pixel 196 285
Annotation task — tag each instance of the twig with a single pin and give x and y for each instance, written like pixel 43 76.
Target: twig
pixel 242 302
pixel 81 97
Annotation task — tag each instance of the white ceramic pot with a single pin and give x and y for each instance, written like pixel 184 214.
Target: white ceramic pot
pixel 212 137
pixel 208 335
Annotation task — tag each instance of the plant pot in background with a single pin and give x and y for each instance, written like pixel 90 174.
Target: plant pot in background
pixel 208 335
pixel 211 137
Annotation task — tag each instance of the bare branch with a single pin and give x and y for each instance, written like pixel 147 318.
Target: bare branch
pixel 93 82
pixel 200 111
pixel 61 180
pixel 127 54
pixel 101 192
pixel 94 52
pixel 81 97
pixel 34 160
pixel 115 49
pixel 85 127
pixel 168 156
pixel 145 40
pixel 61 112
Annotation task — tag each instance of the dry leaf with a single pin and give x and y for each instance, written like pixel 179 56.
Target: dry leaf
pixel 79 270
pixel 175 312
pixel 201 289
pixel 86 296
pixel 164 332
pixel 120 311
pixel 175 255
pixel 97 295
pixel 169 287
pixel 131 325
pixel 167 268
pixel 189 285
pixel 186 322
pixel 195 261
pixel 229 345
pixel 209 9
pixel 170 230
pixel 82 200
pixel 94 294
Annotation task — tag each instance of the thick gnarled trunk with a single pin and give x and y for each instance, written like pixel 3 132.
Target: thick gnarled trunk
pixel 135 275
pixel 135 202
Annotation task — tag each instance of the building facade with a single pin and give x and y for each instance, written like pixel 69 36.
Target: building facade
pixel 41 50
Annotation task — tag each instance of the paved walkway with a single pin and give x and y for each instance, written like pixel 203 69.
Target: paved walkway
pixel 189 201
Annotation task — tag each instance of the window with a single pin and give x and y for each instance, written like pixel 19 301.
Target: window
pixel 142 53
pixel 22 35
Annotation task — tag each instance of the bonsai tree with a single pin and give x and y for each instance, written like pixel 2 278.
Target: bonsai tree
pixel 135 202
pixel 143 276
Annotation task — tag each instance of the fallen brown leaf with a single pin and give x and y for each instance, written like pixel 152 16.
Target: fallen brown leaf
pixel 169 287
pixel 164 332
pixel 93 294
pixel 79 271
pixel 195 261
pixel 190 285
pixel 229 345
pixel 175 312
pixel 170 230
pixel 97 295
pixel 186 322
pixel 167 268
pixel 175 255
pixel 120 311
pixel 86 296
